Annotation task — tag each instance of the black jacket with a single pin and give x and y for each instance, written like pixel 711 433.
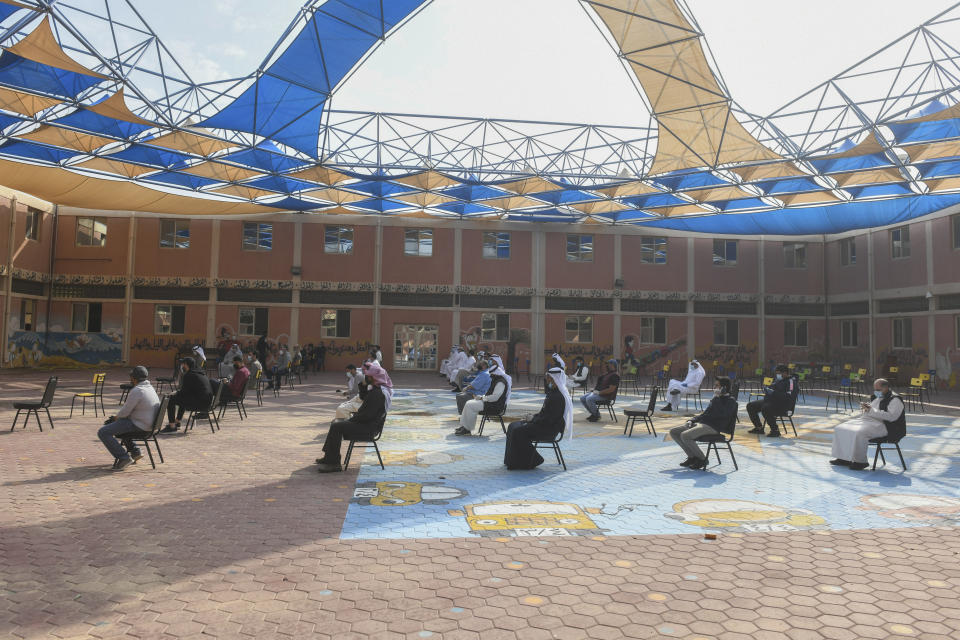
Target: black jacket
pixel 780 394
pixel 373 406
pixel 195 390
pixel 721 414
pixel 551 413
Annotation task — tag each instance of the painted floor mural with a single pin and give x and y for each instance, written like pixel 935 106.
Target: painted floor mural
pixel 439 485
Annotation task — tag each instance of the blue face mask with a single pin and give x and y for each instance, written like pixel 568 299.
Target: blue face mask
pixel 779 376
pixel 877 393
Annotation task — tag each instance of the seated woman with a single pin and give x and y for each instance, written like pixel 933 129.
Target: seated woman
pixel 719 417
pixel 494 402
pixel 365 422
pixel 851 439
pixel 555 417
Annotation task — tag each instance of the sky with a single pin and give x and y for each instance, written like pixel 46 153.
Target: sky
pixel 544 59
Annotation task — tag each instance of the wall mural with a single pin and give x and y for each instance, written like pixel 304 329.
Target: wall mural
pixel 632 356
pixel 948 367
pixel 910 361
pixel 64 349
pixel 745 354
pixel 586 351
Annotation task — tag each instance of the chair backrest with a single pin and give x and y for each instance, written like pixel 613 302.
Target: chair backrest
pixel 735 391
pixel 826 368
pixel 99 380
pixel 653 400
pixel 925 377
pixel 916 382
pixel 161 414
pixel 847 367
pixel 215 401
pixel 767 381
pixel 845 382
pixel 861 371
pixel 894 369
pixel 49 391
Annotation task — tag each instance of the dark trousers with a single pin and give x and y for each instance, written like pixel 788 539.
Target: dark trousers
pixel 340 429
pixel 519 452
pixel 769 410
pixel 178 406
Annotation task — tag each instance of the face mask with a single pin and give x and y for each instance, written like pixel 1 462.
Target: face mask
pixel 779 376
pixel 877 393
pixel 716 392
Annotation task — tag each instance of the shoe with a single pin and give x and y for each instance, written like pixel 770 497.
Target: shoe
pixel 773 434
pixel 667 407
pixel 593 419
pixel 327 461
pixel 858 466
pixel 136 456
pixel 756 430
pixel 688 462
pixel 169 429
pixel 121 463
pixel 329 468
pixel 840 463
pixel 698 463
pixel 461 432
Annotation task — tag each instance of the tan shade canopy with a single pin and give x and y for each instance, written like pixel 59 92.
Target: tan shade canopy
pixel 67 138
pixel 810 197
pixel 932 150
pixel 426 180
pixel 599 206
pixel 76 190
pixel 116 166
pixel 944 184
pixel 944 114
pixel 323 175
pixel 528 185
pixel 243 191
pixel 752 173
pixel 336 195
pixel 680 210
pixel 718 193
pixel 220 171
pixel 190 142
pixel 511 202
pixel 423 198
pixel 632 188
pixel 872 176
pixel 116 107
pixel 40 45
pixel 24 103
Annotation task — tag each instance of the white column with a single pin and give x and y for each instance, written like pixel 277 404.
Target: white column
pixel 8 283
pixel 457 281
pixel 691 284
pixel 931 301
pixel 128 297
pixel 377 266
pixel 762 334
pixel 295 297
pixel 210 338
pixel 537 315
pixel 617 275
pixel 872 369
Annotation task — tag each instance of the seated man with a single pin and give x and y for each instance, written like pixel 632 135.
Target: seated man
pixel 554 417
pixel 605 389
pixel 578 378
pixel 466 368
pixel 477 387
pixel 284 360
pixel 136 415
pixel 364 423
pixel 199 356
pixel 691 384
pixel 195 394
pixel 253 364
pixel 775 402
pixel 719 417
pixel 445 365
pixel 851 439
pixel 492 400
pixel 226 365
pixel 354 393
pixel 235 385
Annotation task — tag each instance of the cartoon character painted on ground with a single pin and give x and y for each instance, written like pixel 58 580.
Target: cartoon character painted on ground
pixel 744 515
pixel 505 518
pixel 398 493
pixel 915 508
pixel 418 458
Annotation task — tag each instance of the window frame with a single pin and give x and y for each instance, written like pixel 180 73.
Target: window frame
pixel 651 329
pixel 654 241
pixel 900 246
pixel 24 312
pixel 794 328
pixel 253 326
pixel 794 249
pixel 725 261
pixel 174 238
pixel 500 332
pixel 94 221
pixel 331 330
pixel 172 310
pixel 260 228
pixel 340 230
pixel 846 333
pixel 726 332
pixel 848 252
pixel 33 221
pixel 90 311
pixel 498 238
pixel 905 323
pixel 579 254
pixel 421 232
pixel 581 321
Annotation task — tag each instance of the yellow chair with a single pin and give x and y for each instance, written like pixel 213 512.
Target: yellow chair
pixel 97 393
pixel 847 367
pixel 862 371
pixel 915 395
pixel 826 368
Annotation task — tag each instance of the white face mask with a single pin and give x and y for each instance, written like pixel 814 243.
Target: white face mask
pixel 779 376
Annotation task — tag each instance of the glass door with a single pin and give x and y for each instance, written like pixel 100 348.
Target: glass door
pixel 415 346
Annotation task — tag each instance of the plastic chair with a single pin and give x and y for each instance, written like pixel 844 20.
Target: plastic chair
pixel 97 393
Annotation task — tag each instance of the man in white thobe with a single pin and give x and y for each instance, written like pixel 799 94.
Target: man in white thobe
pixel 851 439
pixel 445 365
pixel 352 393
pixel 495 394
pixel 690 384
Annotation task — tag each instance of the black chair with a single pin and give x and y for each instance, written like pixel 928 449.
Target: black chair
pixel 492 416
pixel 721 438
pixel 555 445
pixel 788 414
pixel 608 405
pixel 633 414
pixel 258 381
pixel 697 400
pixel 735 394
pixel 210 413
pixel 366 442
pixel 172 380
pixel 147 436
pixel 34 407
pixel 893 437
pixel 237 402
pixel 124 391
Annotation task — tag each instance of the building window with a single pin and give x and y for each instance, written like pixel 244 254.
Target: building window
pixel 795 255
pixel 257 236
pixel 579 248
pixel 653 330
pixel 495 326
pixel 28 309
pixel 579 329
pixel 903 333
pixel 86 317
pixel 337 239
pixel 724 252
pixel 253 321
pixel 848 333
pixel 91 232
pixel 653 250
pixel 794 333
pixel 174 234
pixel 418 242
pixel 900 242
pixel 34 217
pixel 496 245
pixel 726 332
pixel 848 251
pixel 335 323
pixel 170 318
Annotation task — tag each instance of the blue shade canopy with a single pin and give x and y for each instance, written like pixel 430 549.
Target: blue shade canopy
pixel 471 192
pixel 151 156
pixel 7 10
pixel 186 180
pixel 852 163
pixel 654 200
pixel 295 204
pixel 265 160
pixel 940 168
pixel 926 131
pixel 789 185
pixel 380 204
pixel 28 75
pixel 281 184
pixel 565 196
pixel 89 121
pixel 743 203
pixel 6 121
pixel 877 190
pixel 34 151
pixel 379 188
pixel 689 180
pixel 464 208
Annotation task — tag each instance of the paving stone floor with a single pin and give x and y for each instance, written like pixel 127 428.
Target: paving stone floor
pixel 236 535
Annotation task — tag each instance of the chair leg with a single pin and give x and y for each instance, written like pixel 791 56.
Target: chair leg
pixel 716 451
pixel 244 407
pixel 903 462
pixel 239 412
pixel 483 421
pixel 733 457
pixel 72 402
pixel 49 417
pixel 503 427
pixel 146 444
pixel 628 423
pixel 875 456
pixel 157 445
pixel 36 414
pixel 346 461
pixel 563 462
pixel 15 418
pixel 377 449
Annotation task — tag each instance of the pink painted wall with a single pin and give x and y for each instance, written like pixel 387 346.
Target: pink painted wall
pixel 946 259
pixel 652 357
pixel 514 272
pixel 235 262
pixel 390 317
pixel 746 352
pixel 893 273
pixel 600 349
pixel 152 260
pixel 340 351
pixel 598 274
pixel 152 349
pixel 671 276
pixel 742 276
pixel 436 269
pixel 330 267
pixel 107 260
pixel 30 254
pixel 847 278
pixel 807 281
pixel 911 361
